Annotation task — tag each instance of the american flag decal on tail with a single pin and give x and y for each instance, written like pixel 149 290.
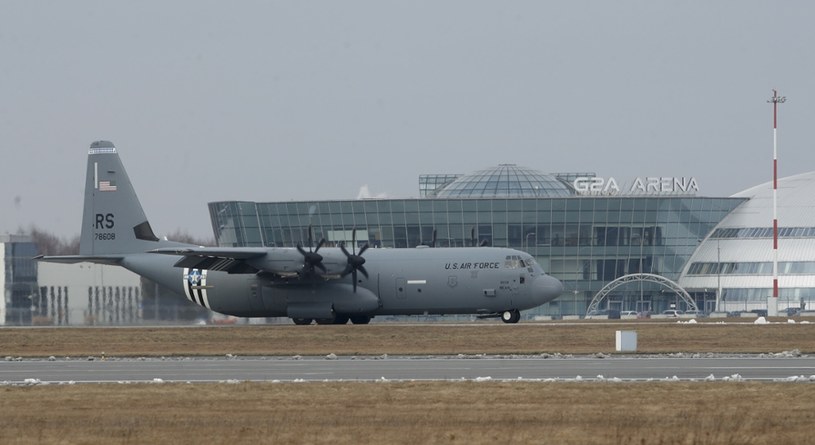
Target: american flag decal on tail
pixel 107 186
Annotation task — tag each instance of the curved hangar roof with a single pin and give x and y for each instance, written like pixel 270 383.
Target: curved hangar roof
pixel 506 181
pixel 744 239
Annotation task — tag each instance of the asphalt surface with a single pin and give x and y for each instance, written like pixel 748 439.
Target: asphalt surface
pixel 94 370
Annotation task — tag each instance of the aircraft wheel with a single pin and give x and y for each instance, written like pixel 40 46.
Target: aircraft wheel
pixel 325 320
pixel 511 316
pixel 361 319
pixel 301 321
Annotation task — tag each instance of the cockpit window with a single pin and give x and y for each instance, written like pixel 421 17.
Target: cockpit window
pixel 532 265
pixel 516 262
pixel 513 262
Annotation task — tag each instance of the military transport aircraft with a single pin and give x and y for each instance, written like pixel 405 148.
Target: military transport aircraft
pixel 304 285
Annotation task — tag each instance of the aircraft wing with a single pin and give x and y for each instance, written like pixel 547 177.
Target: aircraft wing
pixel 231 260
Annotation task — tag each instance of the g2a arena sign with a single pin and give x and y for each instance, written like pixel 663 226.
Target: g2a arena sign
pixel 595 185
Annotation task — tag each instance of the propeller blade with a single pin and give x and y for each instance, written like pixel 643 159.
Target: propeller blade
pixel 355 260
pixel 433 240
pixel 312 259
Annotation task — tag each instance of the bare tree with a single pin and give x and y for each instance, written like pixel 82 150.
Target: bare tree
pixel 50 244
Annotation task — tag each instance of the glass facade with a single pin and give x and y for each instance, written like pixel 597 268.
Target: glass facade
pixel 506 181
pixel 586 242
pixel 18 279
pixel 752 268
pixel 763 232
pixel 429 185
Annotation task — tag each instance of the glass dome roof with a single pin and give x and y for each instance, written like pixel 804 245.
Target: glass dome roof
pixel 505 181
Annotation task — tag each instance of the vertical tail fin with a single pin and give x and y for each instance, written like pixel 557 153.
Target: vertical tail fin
pixel 113 221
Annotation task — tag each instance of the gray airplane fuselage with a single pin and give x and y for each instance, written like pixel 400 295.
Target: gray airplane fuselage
pixel 481 280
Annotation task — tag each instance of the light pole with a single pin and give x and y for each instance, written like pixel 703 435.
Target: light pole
pixel 574 303
pixel 718 274
pixel 527 240
pixel 772 303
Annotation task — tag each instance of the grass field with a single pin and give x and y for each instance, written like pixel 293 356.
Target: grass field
pixel 409 412
pixel 396 339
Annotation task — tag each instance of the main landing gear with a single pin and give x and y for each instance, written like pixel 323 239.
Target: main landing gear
pixel 337 319
pixel 511 316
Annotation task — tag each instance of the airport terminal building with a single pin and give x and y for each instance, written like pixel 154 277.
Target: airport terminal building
pixel 586 230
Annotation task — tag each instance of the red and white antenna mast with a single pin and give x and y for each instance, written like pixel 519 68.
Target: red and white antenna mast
pixel 775 100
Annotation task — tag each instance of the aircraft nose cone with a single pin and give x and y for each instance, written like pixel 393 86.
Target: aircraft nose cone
pixel 550 288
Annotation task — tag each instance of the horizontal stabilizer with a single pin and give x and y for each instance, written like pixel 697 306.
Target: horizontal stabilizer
pixel 72 259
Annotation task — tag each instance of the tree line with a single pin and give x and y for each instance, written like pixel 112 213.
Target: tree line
pixel 50 244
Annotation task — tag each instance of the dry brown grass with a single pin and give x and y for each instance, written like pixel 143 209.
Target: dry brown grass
pixel 408 412
pixel 395 339
pixel 400 413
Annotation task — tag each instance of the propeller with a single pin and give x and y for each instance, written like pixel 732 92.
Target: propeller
pixel 433 240
pixel 311 259
pixel 355 261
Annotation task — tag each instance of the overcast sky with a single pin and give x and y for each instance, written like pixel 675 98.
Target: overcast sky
pixel 312 100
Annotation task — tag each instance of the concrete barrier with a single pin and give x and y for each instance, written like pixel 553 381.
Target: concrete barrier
pixel 626 341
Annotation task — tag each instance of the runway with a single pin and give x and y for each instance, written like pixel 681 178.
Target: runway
pixel 305 369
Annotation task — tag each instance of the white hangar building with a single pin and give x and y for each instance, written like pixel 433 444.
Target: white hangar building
pixel 736 258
